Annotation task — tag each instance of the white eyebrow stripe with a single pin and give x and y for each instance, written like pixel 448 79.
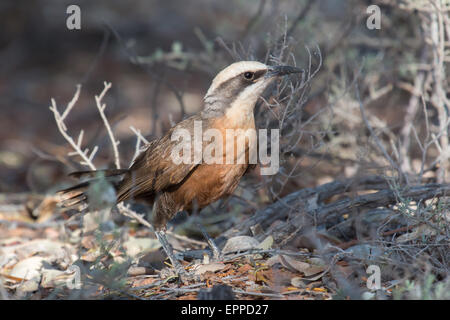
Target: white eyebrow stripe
pixel 233 70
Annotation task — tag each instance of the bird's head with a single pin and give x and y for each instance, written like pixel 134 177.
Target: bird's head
pixel 238 86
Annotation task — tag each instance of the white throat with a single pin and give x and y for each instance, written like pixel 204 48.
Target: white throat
pixel 241 110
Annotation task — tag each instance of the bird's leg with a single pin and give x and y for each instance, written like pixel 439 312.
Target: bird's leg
pixel 161 235
pixel 217 255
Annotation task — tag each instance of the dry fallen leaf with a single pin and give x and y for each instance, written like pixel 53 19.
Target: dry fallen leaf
pixel 46 208
pixel 141 246
pixel 306 268
pixel 49 248
pixel 266 244
pixel 240 243
pixel 212 267
pixel 52 278
pixel 260 276
pixel 28 286
pixel 28 268
pixel 245 268
pixel 298 282
pixel 142 282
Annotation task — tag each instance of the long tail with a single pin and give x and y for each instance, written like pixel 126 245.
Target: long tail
pixel 78 191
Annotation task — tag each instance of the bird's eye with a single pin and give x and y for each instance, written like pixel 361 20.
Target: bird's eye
pixel 249 75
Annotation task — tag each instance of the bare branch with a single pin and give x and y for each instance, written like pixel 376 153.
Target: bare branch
pixel 139 138
pixel 101 109
pixel 86 160
pixel 375 137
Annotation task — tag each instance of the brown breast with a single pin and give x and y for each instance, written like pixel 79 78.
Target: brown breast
pixel 210 182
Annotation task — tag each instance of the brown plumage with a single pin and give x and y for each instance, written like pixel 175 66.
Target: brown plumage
pixel 154 177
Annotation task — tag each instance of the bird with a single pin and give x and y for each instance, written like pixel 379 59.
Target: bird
pixel 171 187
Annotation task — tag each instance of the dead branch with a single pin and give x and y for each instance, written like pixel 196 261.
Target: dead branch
pixel 101 109
pixel 375 137
pixel 320 212
pixel 290 203
pixel 76 146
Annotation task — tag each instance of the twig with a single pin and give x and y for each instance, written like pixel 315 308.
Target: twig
pixel 187 289
pixel 193 288
pixel 87 159
pixel 259 294
pixel 126 211
pixel 186 239
pixel 375 137
pixel 139 138
pixel 101 109
pixel 263 251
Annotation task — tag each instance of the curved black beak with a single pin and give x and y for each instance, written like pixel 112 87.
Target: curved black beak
pixel 276 71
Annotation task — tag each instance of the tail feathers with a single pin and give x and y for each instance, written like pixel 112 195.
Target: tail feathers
pixel 75 200
pixel 79 191
pixel 79 195
pixel 76 187
pixel 95 173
